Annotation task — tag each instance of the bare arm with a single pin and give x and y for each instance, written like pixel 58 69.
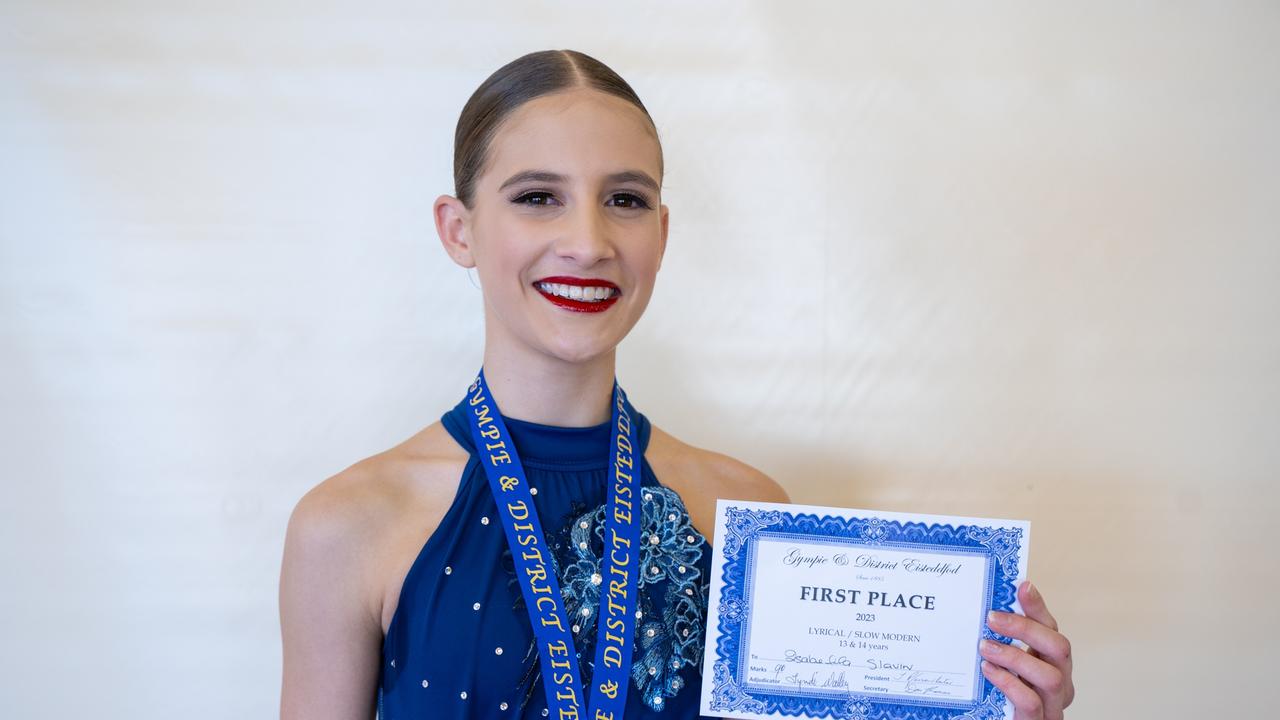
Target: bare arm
pixel 701 476
pixel 330 627
pixel 738 481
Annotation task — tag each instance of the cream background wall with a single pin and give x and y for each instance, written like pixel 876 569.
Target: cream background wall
pixel 1011 260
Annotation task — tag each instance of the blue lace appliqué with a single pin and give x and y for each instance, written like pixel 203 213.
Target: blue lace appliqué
pixel 669 634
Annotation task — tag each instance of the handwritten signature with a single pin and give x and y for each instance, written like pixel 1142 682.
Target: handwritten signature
pixel 927 682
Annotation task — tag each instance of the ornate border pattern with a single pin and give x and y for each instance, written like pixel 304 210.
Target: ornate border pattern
pixel 745 525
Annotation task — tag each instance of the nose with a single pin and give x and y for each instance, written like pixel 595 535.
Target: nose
pixel 585 236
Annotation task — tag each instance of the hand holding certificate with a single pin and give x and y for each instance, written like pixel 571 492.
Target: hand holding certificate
pixel 825 612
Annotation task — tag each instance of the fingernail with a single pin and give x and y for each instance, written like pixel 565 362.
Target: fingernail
pixel 991 617
pixel 987 646
pixel 986 666
pixel 1031 590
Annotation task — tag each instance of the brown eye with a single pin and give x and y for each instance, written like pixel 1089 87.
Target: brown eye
pixel 629 200
pixel 535 198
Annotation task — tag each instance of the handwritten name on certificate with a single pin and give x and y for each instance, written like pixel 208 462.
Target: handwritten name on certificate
pixel 840 613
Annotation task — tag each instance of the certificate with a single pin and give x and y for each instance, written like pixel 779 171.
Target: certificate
pixel 839 613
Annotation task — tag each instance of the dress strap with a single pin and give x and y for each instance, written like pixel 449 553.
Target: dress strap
pixel 455 421
pixel 641 428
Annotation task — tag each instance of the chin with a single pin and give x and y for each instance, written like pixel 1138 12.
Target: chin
pixel 579 354
pixel 580 350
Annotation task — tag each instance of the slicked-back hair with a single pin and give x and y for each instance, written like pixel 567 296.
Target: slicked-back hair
pixel 516 83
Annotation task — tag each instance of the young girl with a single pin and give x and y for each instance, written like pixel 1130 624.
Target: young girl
pixel 399 589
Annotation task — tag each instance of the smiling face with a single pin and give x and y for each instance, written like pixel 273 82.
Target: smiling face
pixel 566 229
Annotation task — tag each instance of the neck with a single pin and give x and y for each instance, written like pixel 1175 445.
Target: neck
pixel 550 391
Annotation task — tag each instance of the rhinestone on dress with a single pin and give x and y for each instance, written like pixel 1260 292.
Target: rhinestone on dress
pixel 534 491
pixel 689 538
pixel 497 651
pixel 654 570
pixel 657 701
pixel 596 579
pixel 688 591
pixel 649 632
pixel 583 545
pixel 653 539
pixel 545 712
pixel 648 497
pixel 576 628
pixel 586 611
pixel 584 525
pixel 502 706
pixel 672 517
pixel 686 632
pixel 681 568
pixel 653 671
pixel 639 614
pixel 425 683
pixel 463 694
pixel 476 606
pixel 484 520
pixel 393 663
pixel 448 570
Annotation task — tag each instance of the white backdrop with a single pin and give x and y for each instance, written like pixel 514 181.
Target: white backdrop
pixel 1016 262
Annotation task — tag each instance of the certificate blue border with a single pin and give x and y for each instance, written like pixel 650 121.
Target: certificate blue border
pixel 998 546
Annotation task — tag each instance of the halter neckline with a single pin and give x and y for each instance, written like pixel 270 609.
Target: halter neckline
pixel 552 446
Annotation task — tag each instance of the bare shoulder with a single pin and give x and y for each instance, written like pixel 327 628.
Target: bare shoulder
pixel 350 512
pixel 349 542
pixel 701 476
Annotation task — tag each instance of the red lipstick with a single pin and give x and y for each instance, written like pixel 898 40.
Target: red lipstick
pixel 587 306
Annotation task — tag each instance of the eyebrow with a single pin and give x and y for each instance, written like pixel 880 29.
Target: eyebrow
pixel 549 177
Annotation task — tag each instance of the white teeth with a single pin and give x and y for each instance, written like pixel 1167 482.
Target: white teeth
pixel 577 292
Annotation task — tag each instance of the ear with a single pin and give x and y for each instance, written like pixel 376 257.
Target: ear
pixel 662 248
pixel 453 222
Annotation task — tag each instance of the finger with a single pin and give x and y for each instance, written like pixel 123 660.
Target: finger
pixel 1034 607
pixel 1026 703
pixel 1047 680
pixel 1049 644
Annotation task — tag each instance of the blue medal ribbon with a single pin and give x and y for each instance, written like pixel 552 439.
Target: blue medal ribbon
pixel 619 574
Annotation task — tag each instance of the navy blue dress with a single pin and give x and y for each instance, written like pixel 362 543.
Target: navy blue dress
pixel 460 644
